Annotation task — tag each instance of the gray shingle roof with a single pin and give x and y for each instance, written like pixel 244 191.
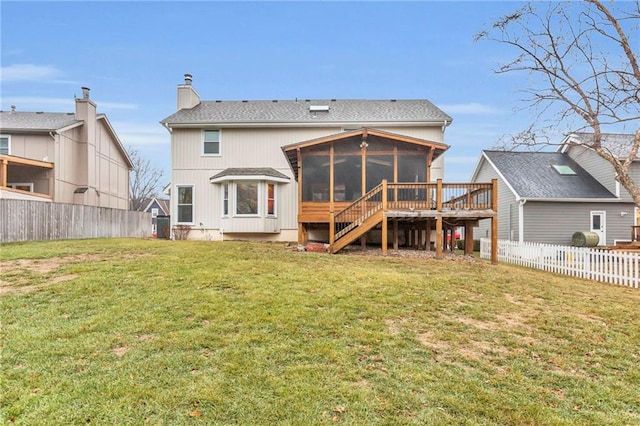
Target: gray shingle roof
pixel 618 144
pixel 531 175
pixel 32 121
pixel 297 111
pixel 264 171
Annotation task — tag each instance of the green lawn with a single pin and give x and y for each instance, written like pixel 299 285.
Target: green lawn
pixel 125 331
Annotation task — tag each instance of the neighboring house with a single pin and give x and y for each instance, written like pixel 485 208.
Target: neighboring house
pixel 63 157
pixel 157 207
pixel 283 170
pixel 546 197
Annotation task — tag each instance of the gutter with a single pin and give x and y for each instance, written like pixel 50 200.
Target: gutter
pixel 444 124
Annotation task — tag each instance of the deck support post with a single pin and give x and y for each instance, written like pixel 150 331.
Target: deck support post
pixel 385 236
pixel 385 203
pixel 395 234
pixel 468 238
pixel 428 235
pixel 439 237
pixel 494 221
pixel 3 173
pixel 332 228
pixel 303 234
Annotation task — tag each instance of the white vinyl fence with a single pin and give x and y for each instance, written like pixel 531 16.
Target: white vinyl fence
pixel 607 266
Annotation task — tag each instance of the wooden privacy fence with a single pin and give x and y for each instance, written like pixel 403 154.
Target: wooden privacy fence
pixel 26 220
pixel 607 266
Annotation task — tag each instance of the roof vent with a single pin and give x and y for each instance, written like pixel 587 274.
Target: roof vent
pixel 319 108
pixel 13 108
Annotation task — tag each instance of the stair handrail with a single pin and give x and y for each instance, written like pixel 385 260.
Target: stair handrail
pixel 344 220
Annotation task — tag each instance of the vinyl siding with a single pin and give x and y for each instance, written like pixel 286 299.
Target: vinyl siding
pixel 250 148
pixel 602 170
pixel 34 147
pixel 556 222
pixel 596 166
pixel 507 207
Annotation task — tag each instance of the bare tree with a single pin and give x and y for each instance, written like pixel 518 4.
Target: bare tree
pixel 143 181
pixel 582 63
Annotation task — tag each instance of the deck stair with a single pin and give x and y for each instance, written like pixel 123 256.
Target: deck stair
pixel 453 204
pixel 357 219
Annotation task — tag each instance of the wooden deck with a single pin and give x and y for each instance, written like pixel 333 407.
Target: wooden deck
pixel 434 207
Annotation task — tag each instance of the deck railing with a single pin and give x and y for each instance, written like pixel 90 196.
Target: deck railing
pixel 413 196
pixel 452 196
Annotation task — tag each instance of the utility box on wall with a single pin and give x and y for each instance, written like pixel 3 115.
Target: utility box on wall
pixel 163 229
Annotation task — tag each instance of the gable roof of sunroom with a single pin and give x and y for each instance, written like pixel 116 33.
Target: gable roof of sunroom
pixel 364 134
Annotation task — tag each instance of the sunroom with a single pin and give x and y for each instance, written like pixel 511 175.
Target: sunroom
pixel 351 184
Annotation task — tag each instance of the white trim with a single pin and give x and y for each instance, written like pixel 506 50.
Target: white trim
pixel 14 184
pixel 501 176
pixel 8 143
pixel 228 186
pixel 193 203
pixel 258 205
pixel 202 142
pixel 603 225
pixel 262 178
pixel 577 200
pixel 307 124
pixel 521 204
pixel 275 200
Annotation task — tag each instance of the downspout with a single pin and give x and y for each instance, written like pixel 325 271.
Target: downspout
pixel 523 201
pixel 509 222
pixel 56 146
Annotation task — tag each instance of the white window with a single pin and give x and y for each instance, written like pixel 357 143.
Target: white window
pixel 225 199
pixel 271 199
pixel 247 199
pixel 154 212
pixel 185 204
pixel 21 186
pixel 211 142
pixel 5 145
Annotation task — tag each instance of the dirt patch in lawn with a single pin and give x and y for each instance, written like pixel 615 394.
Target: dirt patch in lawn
pixel 26 275
pixel 408 253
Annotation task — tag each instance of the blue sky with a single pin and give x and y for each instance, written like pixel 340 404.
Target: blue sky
pixel 133 55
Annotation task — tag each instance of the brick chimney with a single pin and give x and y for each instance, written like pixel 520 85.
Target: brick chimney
pixel 187 95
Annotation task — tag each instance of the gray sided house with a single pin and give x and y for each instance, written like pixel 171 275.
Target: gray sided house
pixel 284 170
pixel 158 207
pixel 74 158
pixel 546 197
